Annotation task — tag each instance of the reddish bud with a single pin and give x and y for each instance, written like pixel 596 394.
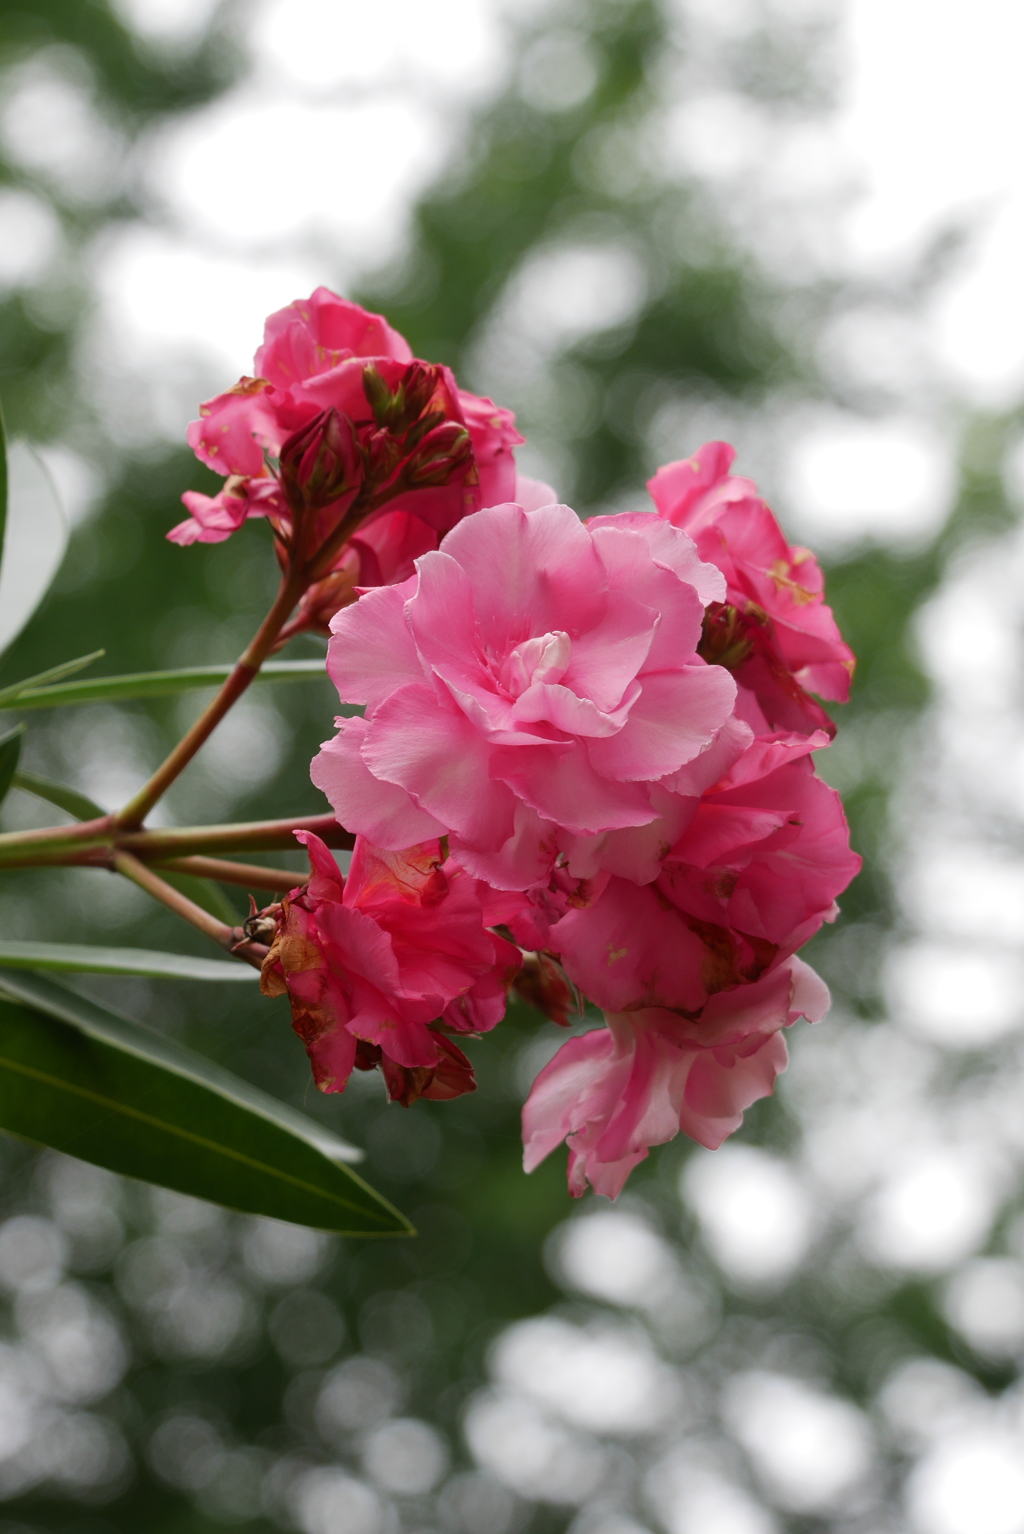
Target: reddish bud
pixel 396 410
pixel 543 984
pixel 325 598
pixel 444 455
pixel 320 463
pixel 725 638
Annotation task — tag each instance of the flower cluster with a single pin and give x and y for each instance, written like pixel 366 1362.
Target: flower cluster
pixel 584 765
pixel 359 456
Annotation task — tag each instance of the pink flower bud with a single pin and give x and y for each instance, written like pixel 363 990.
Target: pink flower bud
pixel 398 409
pixel 320 464
pixel 444 456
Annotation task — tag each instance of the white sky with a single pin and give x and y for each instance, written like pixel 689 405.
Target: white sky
pixel 935 118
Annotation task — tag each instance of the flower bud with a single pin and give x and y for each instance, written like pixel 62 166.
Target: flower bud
pixel 444 455
pixel 398 409
pixel 325 598
pixel 320 463
pixel 542 983
pixel 725 637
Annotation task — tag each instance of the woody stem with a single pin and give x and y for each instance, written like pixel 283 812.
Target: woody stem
pixel 224 936
pixel 135 812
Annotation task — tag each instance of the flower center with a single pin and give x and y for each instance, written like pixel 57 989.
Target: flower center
pixel 543 659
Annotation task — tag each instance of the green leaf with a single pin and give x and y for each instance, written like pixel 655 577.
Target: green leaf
pixel 8 695
pixel 10 750
pixel 77 1077
pixel 57 793
pixel 35 540
pixel 85 958
pixel 151 684
pixel 3 484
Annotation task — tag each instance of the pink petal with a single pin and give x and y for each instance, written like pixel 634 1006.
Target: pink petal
pixel 313 333
pixel 325 877
pixel 722 833
pixel 440 614
pixel 235 427
pixel 675 717
pixel 530 573
pixel 371 652
pixel 606 658
pixel 628 950
pixel 563 787
pixel 560 707
pixel 576 1081
pixel 381 811
pixel 768 753
pixel 667 547
pixel 526 858
pixel 636 853
pixel 492 431
pixel 719 1091
pixel 711 764
pixel 432 751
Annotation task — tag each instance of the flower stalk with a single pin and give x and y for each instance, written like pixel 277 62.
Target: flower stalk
pixel 231 938
pixel 93 843
pixel 135 811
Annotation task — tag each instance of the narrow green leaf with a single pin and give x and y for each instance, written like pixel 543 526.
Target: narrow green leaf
pixel 8 695
pixel 3 484
pixel 77 1077
pixel 57 793
pixel 10 750
pixel 36 535
pixel 151 684
pixel 85 958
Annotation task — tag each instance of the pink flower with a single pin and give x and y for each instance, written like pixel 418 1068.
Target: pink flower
pixel 773 629
pixel 406 423
pixel 384 551
pixel 614 1092
pixel 382 959
pixel 754 871
pixel 530 683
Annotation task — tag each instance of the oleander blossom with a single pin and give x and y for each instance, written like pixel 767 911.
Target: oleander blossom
pixel 616 1091
pixel 532 688
pixel 773 629
pixel 340 413
pixel 381 965
pixel 754 869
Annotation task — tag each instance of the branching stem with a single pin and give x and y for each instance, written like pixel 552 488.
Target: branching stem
pixel 231 938
pixel 135 812
pixel 278 880
pixel 95 842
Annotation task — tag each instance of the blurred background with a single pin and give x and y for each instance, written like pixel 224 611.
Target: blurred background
pixel 640 223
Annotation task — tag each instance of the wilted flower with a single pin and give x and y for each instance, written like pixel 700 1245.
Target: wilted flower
pixel 386 960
